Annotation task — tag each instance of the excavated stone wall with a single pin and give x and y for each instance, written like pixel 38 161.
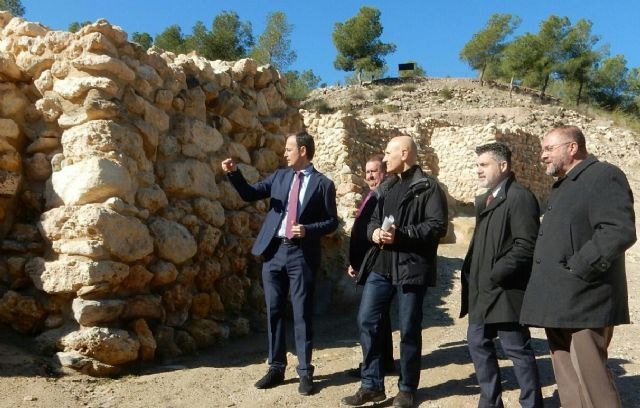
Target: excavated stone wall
pixel 121 239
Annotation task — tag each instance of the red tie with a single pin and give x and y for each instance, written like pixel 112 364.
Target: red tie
pixel 292 206
pixel 489 199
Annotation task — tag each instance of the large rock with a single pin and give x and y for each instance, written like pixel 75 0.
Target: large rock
pixel 107 345
pixel 93 312
pixel 77 86
pixel 22 313
pixel 198 139
pixel 189 178
pixel 173 241
pixel 69 273
pixel 91 181
pixel 72 362
pixel 94 230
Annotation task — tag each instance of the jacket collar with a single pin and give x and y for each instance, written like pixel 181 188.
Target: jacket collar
pixel 502 195
pixel 575 172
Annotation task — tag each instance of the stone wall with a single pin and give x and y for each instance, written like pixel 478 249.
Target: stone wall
pixel 121 239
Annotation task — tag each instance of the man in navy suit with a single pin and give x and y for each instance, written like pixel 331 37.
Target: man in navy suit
pixel 289 242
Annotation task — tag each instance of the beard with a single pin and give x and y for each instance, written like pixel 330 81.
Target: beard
pixel 552 170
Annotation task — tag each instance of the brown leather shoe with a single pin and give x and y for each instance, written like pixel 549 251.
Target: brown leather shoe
pixel 403 400
pixel 362 396
pixel 272 378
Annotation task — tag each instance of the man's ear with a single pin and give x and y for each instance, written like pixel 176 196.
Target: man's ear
pixel 303 151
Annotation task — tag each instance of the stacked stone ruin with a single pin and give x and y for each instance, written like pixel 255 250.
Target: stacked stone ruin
pixel 121 241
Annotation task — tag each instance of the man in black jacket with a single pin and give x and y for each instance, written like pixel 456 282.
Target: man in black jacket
pixel 405 265
pixel 578 285
pixel 495 273
pixel 375 171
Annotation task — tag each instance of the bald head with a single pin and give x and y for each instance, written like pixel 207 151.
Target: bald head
pixel 400 154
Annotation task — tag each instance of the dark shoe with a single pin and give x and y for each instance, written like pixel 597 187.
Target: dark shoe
pixel 363 396
pixel 306 385
pixel 403 400
pixel 271 379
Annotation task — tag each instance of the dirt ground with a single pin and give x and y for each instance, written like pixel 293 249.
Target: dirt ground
pixel 224 376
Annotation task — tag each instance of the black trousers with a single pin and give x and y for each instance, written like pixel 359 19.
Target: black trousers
pixel 516 343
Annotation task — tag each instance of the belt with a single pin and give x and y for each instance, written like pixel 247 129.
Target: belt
pixel 287 241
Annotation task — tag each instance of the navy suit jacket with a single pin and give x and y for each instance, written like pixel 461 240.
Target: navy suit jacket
pixel 318 213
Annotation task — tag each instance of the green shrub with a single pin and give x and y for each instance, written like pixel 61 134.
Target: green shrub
pixel 382 94
pixel 446 93
pixel 391 108
pixel 319 105
pixel 408 88
pixel 376 110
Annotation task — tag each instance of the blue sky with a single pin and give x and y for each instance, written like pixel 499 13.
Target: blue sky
pixel 429 32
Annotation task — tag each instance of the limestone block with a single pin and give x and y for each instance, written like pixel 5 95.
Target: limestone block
pixel 229 197
pixel 206 332
pixel 243 118
pixel 19 27
pixel 232 292
pixel 137 280
pixel 244 67
pixel 98 43
pixel 150 136
pixel 124 237
pixel 189 178
pixel 147 307
pixel 238 222
pixel 210 272
pixel 208 240
pixel 197 138
pixel 152 198
pixel 164 273
pixel 9 181
pixel 95 63
pixel 92 180
pixel 265 160
pixel 262 108
pixel 200 305
pixel 69 273
pixel 148 343
pixel 196 104
pixel 164 98
pixel 23 313
pixel 100 138
pixel 238 151
pixel 239 327
pixel 49 107
pixel 274 99
pixel 44 145
pixel 173 241
pixel 107 345
pixel 71 362
pixel 37 167
pixel 94 312
pixel 8 67
pixel 76 86
pixel 166 340
pixel 156 116
pixel 264 75
pixel 91 248
pixel 211 212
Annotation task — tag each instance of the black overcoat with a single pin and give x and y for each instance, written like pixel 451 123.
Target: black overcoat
pixel 497 266
pixel 359 243
pixel 578 278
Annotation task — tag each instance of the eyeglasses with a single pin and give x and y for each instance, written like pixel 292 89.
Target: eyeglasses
pixel 551 148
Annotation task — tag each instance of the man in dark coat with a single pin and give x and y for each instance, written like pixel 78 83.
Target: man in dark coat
pixel 495 273
pixel 374 172
pixel 302 208
pixel 405 266
pixel 578 286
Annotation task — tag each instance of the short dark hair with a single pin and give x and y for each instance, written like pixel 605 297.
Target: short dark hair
pixel 500 151
pixel 378 158
pixel 575 134
pixel 305 139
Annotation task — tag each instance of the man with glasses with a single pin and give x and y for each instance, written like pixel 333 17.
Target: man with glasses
pixel 578 287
